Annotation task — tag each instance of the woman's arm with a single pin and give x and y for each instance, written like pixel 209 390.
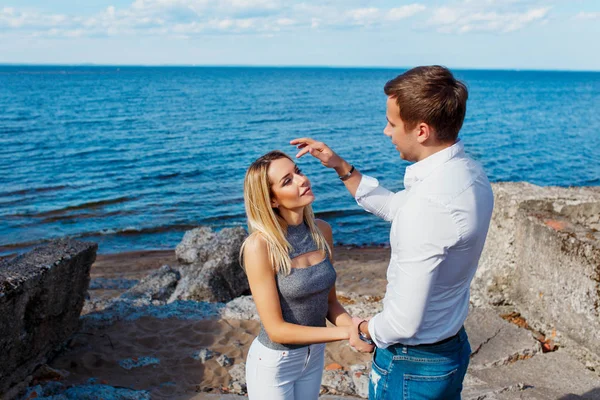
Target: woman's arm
pixel 336 314
pixel 264 291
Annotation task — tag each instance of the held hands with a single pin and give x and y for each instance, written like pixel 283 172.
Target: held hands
pixel 318 150
pixel 355 341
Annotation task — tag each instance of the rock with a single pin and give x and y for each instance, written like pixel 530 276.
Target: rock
pixel 215 274
pixel 112 284
pixel 334 367
pixel 204 355
pixel 137 362
pixel 242 307
pixel 47 373
pixel 338 382
pixel 191 248
pixel 157 286
pixel 224 361
pixel 98 392
pixel 361 383
pixel 42 293
pixel 237 385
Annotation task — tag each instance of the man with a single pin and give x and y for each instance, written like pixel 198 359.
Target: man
pixel 438 228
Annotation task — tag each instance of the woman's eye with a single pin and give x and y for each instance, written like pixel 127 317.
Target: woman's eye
pixel 299 171
pixel 286 182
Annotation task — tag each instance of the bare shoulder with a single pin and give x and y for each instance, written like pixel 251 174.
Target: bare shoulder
pixel 255 243
pixel 325 228
pixel 256 252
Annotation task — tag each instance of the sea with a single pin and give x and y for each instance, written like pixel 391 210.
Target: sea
pixel 133 157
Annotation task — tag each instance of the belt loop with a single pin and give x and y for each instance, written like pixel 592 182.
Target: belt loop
pixel 404 350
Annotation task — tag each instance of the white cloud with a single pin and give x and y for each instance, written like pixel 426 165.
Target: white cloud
pixel 186 18
pixel 588 15
pixel 486 16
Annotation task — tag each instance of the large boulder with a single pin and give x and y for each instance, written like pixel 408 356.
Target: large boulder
pixel 211 270
pixel 41 296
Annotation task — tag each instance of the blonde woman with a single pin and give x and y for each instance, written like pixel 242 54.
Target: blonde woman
pixel 288 259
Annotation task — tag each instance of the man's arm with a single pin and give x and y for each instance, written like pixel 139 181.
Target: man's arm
pixel 366 190
pixel 423 232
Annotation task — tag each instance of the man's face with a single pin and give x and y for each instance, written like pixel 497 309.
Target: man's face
pixel 405 141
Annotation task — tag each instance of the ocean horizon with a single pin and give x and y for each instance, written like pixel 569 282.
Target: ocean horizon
pixel 131 157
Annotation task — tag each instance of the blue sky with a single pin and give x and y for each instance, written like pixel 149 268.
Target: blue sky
pixel 511 34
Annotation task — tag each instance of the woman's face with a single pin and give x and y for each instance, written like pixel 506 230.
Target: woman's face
pixel 290 188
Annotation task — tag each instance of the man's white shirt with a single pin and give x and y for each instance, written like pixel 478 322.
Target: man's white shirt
pixel 439 225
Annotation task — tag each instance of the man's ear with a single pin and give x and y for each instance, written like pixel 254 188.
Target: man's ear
pixel 424 132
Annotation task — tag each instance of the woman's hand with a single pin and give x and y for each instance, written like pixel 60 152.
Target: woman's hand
pixel 355 341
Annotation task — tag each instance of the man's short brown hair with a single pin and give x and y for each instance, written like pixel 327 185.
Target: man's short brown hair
pixel 432 95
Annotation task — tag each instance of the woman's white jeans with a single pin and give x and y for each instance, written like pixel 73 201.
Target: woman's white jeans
pixel 284 374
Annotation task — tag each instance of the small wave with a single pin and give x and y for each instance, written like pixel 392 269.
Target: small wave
pixel 268 120
pixel 82 216
pixel 137 231
pixel 84 206
pixel 42 189
pixel 220 218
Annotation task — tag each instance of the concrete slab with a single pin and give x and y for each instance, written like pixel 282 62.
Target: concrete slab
pixel 548 376
pixel 495 342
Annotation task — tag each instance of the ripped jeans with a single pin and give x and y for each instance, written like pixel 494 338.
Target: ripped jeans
pixel 420 372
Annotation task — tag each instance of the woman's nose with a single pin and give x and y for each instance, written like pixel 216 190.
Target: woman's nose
pixel 302 180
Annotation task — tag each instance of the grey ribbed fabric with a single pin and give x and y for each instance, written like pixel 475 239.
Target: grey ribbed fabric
pixel 303 293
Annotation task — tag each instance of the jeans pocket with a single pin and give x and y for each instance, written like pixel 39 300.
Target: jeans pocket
pixel 377 380
pixel 432 386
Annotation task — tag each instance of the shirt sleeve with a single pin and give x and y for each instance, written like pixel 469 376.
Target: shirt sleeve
pixel 376 199
pixel 423 233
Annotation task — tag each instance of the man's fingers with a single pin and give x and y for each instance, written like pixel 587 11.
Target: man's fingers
pixel 303 152
pixel 305 141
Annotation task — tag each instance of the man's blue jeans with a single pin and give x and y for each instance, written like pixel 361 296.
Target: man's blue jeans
pixel 420 372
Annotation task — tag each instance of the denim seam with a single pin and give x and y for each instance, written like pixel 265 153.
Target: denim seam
pixel 418 359
pixel 426 378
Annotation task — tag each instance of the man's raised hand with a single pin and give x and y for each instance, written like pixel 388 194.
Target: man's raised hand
pixel 319 150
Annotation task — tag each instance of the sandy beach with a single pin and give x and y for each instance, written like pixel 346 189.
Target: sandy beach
pixel 168 348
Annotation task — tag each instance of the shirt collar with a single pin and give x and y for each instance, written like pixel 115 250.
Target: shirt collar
pixel 420 170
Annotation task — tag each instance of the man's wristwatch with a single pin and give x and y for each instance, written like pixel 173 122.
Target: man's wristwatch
pixel 347 175
pixel 362 336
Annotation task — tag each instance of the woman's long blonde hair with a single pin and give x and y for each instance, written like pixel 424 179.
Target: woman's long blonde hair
pixel 266 221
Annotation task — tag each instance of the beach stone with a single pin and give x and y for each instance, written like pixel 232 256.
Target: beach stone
pixel 215 274
pixel 46 373
pixel 42 293
pixel 137 362
pixel 203 355
pixel 157 286
pixel 105 392
pixel 242 307
pixel 112 283
pixel 361 383
pixel 338 382
pixel 237 385
pixel 224 361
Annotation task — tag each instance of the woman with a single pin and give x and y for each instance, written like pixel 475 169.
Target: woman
pixel 288 260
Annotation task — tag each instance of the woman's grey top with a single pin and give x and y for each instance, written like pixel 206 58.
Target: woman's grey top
pixel 304 292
